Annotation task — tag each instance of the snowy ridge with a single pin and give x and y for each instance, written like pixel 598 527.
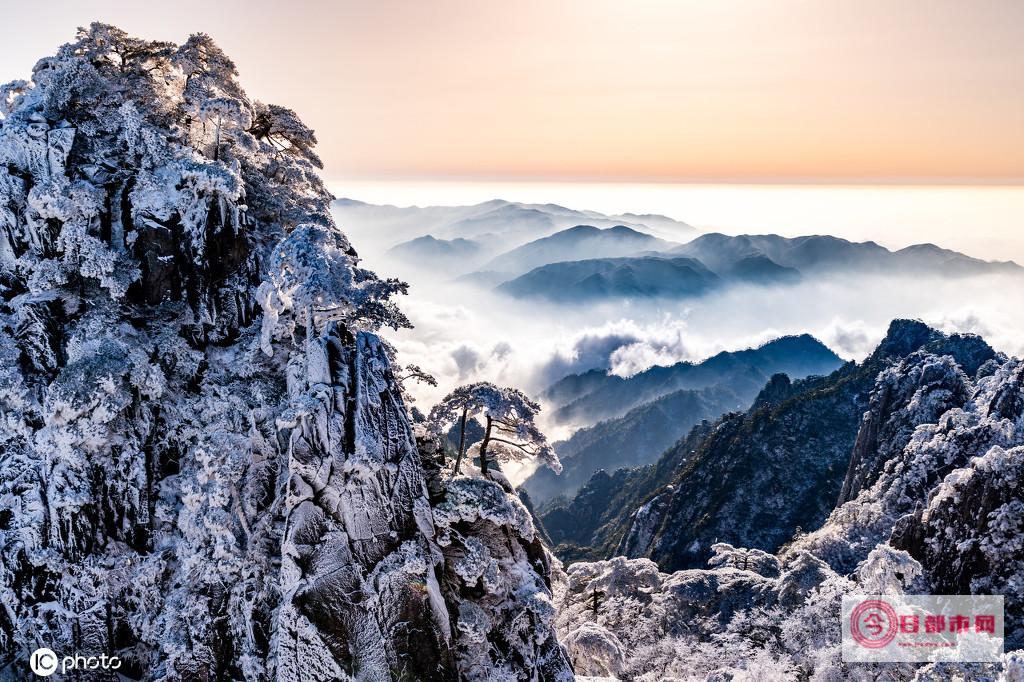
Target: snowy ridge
pixel 933 505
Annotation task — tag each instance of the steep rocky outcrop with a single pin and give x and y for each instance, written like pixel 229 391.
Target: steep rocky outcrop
pixel 950 496
pixel 590 506
pixel 970 536
pixel 917 391
pixel 358 582
pixel 497 579
pixel 207 467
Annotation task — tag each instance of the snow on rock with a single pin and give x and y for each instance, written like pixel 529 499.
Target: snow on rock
pixel 595 650
pixel 207 465
pixel 497 578
pixel 970 536
pixel 950 495
pixel 471 499
pixel 932 504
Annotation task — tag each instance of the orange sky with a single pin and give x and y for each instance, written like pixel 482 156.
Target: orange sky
pixel 830 90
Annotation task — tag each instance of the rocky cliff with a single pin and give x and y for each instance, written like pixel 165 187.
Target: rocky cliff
pixel 756 478
pixel 207 467
pixel 930 502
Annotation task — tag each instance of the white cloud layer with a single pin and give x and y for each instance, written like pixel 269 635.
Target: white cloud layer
pixel 463 333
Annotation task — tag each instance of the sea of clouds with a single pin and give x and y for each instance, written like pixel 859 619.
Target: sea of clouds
pixel 465 333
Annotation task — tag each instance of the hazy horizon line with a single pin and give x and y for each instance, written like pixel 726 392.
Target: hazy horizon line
pixel 809 181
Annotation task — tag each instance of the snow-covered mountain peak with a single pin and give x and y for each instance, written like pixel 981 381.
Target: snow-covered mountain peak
pixel 208 469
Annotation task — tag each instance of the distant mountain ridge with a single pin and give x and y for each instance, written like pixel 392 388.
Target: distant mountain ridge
pixel 602 278
pixel 712 261
pixel 581 242
pixel 817 252
pixel 430 251
pixel 647 413
pixel 597 395
pixel 498 224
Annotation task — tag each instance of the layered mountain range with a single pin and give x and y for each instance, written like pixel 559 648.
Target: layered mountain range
pixel 897 475
pixel 823 252
pixel 496 225
pixel 714 261
pixel 640 416
pixel 582 242
pixel 551 253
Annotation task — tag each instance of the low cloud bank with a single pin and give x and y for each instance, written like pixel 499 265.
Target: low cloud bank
pixel 466 333
pixel 463 334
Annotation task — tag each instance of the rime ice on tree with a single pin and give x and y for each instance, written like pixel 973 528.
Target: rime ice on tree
pixel 510 431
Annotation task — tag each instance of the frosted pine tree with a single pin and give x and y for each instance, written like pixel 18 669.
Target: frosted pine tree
pixel 510 432
pixel 207 466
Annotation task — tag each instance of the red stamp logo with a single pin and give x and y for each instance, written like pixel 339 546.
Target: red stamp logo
pixel 922 627
pixel 873 624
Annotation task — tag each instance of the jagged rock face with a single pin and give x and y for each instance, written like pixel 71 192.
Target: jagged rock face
pixel 918 391
pixel 754 479
pixel 950 495
pixel 970 537
pixel 359 589
pixel 207 468
pixel 937 509
pixel 934 446
pixel 497 578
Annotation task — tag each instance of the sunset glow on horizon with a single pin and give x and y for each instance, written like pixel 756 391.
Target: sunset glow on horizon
pixel 736 90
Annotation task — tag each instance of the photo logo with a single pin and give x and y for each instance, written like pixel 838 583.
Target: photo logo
pixel 43 662
pixel 914 628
